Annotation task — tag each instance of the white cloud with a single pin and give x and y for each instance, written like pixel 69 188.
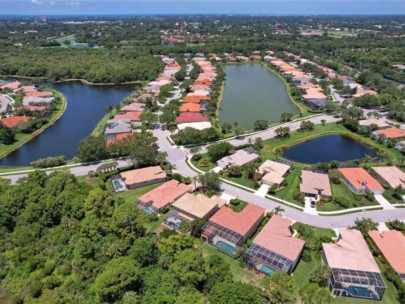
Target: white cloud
pixel 73 3
pixel 37 2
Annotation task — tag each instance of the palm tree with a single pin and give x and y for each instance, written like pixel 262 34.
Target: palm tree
pixel 278 210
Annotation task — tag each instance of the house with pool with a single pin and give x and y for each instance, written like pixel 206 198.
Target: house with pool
pixel 140 177
pixel 359 180
pixel 392 245
pixel 274 248
pixel 354 272
pixel 315 184
pixel 159 198
pixel 192 206
pixel 392 175
pixel 228 230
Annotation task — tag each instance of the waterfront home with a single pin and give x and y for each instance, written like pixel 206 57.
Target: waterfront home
pixel 131 116
pixel 119 138
pixel 201 87
pixel 190 207
pixel 34 100
pixel 359 180
pixel 390 133
pixel 196 98
pixel 187 117
pixel 15 121
pixel 200 93
pixel 161 197
pixel 273 172
pixel 195 125
pixel 206 82
pixel 11 86
pixel 190 107
pixel 27 89
pixel 393 176
pixel 240 158
pixel 315 98
pixel 392 245
pixel 354 272
pixel 373 121
pixel 39 94
pixel 134 107
pixel 114 127
pixel 143 177
pixel 315 184
pixel 228 230
pixel 274 248
pixel 34 108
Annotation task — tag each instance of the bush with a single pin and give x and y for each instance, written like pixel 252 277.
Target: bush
pixel 49 162
pixel 298 196
pixel 358 197
pixel 196 157
pixel 203 163
pixel 36 289
pixel 306 256
pixel 343 202
pixel 234 202
pixel 52 282
pixel 272 189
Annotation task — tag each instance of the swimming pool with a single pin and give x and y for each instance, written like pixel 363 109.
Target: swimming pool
pixel 148 211
pixel 225 247
pixel 266 270
pixel 361 292
pixel 117 184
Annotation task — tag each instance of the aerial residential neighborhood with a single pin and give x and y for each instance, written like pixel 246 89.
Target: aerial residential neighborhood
pixel 202 152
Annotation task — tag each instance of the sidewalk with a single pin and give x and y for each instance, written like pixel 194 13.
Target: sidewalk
pixel 383 202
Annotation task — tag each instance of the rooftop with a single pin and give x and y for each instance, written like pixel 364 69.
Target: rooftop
pixel 391 133
pixel 373 121
pixel 165 193
pixel 195 98
pixel 190 107
pixel 392 175
pixel 359 178
pixel 274 172
pixel 134 107
pixel 277 237
pixel 186 117
pixel 198 205
pixel 315 183
pixel 240 222
pixel 132 116
pixel 392 245
pixel 350 252
pixel 142 175
pixel 13 121
pixel 240 158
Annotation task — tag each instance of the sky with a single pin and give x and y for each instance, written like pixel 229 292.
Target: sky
pixel 142 7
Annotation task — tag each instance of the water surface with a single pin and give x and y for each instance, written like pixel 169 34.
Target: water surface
pixel 85 107
pixel 328 148
pixel 253 92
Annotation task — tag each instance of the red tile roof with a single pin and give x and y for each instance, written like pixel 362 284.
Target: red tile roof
pixel 277 237
pixel 118 138
pixel 190 107
pixel 133 116
pixel 195 99
pixel 206 82
pixel 39 94
pixel 240 222
pixel 186 117
pixel 13 121
pixel 359 178
pixel 165 194
pixel 391 133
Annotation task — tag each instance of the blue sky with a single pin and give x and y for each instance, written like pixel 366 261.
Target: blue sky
pixel 271 7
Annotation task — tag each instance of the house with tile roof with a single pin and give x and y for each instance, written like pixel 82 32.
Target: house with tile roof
pixel 359 180
pixel 159 198
pixel 314 184
pixel 143 177
pixel 14 121
pixel 187 117
pixel 228 230
pixel 273 172
pixel 391 175
pixel 390 133
pixel 134 107
pixel 132 116
pixel 354 272
pixel 115 127
pixel 275 248
pixel 381 124
pixel 190 107
pixel 392 245
pixel 240 158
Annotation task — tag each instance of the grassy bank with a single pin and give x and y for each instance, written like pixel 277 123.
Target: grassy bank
pixel 21 138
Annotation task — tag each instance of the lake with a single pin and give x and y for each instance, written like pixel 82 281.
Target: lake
pixel 328 148
pixel 253 92
pixel 85 108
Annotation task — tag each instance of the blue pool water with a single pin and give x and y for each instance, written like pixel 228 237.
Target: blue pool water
pixel 225 247
pixel 267 270
pixel 117 185
pixel 148 211
pixel 361 292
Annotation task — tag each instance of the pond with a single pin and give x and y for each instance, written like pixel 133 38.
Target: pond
pixel 328 148
pixel 85 107
pixel 253 92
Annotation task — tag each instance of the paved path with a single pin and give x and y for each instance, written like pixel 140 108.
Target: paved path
pixel 383 202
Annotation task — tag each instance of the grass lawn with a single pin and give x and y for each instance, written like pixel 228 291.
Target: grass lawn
pixel 330 206
pixel 153 226
pixel 341 190
pixel 243 180
pixel 239 206
pixel 304 269
pixel 293 183
pixel 204 159
pixel 240 274
pixel 389 197
pixel 133 194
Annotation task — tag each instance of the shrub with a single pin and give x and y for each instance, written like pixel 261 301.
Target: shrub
pixel 203 164
pixel 49 162
pixel 196 157
pixel 272 189
pixel 358 197
pixel 306 256
pixel 234 202
pixel 343 202
pixel 52 282
pixel 36 289
pixel 298 196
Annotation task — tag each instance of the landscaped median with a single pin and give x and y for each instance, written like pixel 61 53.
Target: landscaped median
pixel 21 138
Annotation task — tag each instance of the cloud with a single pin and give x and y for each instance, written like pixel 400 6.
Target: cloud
pixel 72 3
pixel 37 2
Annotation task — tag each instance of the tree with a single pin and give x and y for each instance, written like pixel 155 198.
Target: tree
pixel 226 127
pixel 234 171
pixel 312 294
pixel 285 117
pixel 365 225
pixel 238 131
pixel 7 136
pixel 219 150
pixel 196 227
pixel 109 109
pixel 323 122
pixel 346 91
pixel 144 251
pixel 258 143
pixel 282 132
pixel 279 288
pixel 120 275
pixel 180 75
pixel 233 292
pixel 188 267
pixel 330 107
pixel 149 119
pixel 261 124
pixel 306 126
pixel 144 150
pixel 92 148
pixel 210 183
pixel 399 192
pixel 320 276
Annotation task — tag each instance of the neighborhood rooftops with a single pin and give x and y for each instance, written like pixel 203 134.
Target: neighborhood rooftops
pixel 360 179
pixel 132 116
pixel 240 222
pixel 165 194
pixel 392 245
pixel 392 175
pixel 240 158
pixel 143 175
pixel 277 237
pixel 198 205
pixel 350 252
pixel 195 98
pixel 134 107
pixel 391 133
pixel 315 183
pixel 273 172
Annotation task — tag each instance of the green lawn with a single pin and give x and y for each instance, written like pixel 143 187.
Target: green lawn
pixel 293 183
pixel 204 159
pixel 243 180
pixel 304 269
pixel 341 190
pixel 133 194
pixel 239 206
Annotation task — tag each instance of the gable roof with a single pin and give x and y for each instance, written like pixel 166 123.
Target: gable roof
pixel 165 193
pixel 392 245
pixel 277 237
pixel 240 222
pixel 39 94
pixel 274 171
pixel 240 158
pixel 198 205
pixel 134 107
pixel 360 178
pixel 195 98
pixel 350 252
pixel 315 183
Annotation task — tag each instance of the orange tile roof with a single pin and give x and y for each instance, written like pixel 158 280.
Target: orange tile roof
pixel 277 237
pixel 391 133
pixel 118 138
pixel 359 178
pixel 240 222
pixel 13 121
pixel 195 99
pixel 133 116
pixel 207 82
pixel 392 245
pixel 165 194
pixel 12 85
pixel 39 94
pixel 190 107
